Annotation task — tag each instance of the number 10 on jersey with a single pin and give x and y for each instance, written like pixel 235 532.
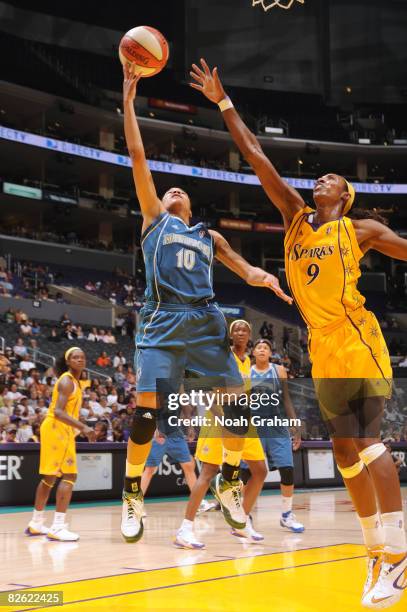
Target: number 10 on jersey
pixel 185 259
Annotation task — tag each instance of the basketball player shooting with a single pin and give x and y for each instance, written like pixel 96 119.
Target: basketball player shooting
pixel 180 329
pixel 323 248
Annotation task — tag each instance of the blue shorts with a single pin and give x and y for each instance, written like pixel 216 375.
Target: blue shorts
pixel 174 446
pixel 279 452
pixel 178 340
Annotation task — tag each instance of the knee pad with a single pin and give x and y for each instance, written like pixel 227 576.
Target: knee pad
pixel 372 452
pixel 287 475
pixel 47 484
pixel 245 474
pixel 234 411
pixel 352 470
pixel 143 426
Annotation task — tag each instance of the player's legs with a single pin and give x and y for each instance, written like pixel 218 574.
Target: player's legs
pixel 138 448
pixel 189 473
pixel 210 358
pixel 36 525
pixel 253 474
pixel 391 575
pixel 152 365
pixel 59 530
pixel 146 478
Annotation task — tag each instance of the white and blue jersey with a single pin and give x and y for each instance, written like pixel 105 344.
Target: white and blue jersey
pixel 181 330
pixel 276 440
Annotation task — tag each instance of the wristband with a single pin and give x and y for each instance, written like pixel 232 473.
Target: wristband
pixel 225 104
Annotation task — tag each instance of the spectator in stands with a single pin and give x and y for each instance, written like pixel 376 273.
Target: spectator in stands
pixel 117 431
pixel 26 364
pixel 10 435
pixel 13 394
pixel 119 359
pixel 19 349
pixel 101 431
pixel 9 316
pixel 104 405
pixel 35 329
pixel 65 320
pixel 276 357
pixel 90 286
pixel 4 364
pixel 69 332
pixel 54 337
pixel 26 328
pixel 266 331
pixel 19 316
pixel 120 375
pixel 79 333
pixel 93 335
pixel 112 398
pixel 119 324
pixel 109 338
pixel 103 361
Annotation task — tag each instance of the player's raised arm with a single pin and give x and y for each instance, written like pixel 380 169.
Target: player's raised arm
pixel 286 198
pixel 252 275
pixel 372 234
pixel 150 205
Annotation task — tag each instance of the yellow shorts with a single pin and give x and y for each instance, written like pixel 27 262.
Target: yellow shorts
pixel 210 450
pixel 350 365
pixel 353 349
pixel 57 450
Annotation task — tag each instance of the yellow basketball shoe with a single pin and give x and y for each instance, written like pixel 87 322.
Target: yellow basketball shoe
pixel 391 583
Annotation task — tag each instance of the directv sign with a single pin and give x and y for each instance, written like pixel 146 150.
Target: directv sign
pixel 212 174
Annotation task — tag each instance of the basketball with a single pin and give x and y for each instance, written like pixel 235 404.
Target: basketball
pixel 145 47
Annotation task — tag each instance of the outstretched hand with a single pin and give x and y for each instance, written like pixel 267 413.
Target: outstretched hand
pixel 207 82
pixel 130 80
pixel 259 278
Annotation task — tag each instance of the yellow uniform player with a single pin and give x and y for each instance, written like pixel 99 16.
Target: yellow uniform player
pixel 57 450
pixel 350 362
pixel 209 452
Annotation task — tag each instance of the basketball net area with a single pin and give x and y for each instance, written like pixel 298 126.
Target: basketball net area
pixel 269 4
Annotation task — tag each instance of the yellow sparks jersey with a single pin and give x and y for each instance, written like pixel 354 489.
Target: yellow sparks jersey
pixel 244 366
pixel 74 402
pixel 322 268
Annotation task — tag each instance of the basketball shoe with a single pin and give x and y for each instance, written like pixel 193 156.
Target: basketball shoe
pixel 248 532
pixel 288 521
pixel 228 495
pixel 391 582
pixel 374 562
pixel 36 528
pixel 186 538
pixel 132 516
pixel 61 533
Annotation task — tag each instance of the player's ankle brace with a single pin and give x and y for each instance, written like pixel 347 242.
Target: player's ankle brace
pixel 234 411
pixel 372 452
pixel 352 471
pixel 143 426
pixel 287 475
pixel 132 484
pixel 230 472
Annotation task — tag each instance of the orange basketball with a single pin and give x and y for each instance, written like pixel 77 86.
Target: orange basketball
pixel 146 48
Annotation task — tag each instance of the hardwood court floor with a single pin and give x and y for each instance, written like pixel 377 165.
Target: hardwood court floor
pixel 322 569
